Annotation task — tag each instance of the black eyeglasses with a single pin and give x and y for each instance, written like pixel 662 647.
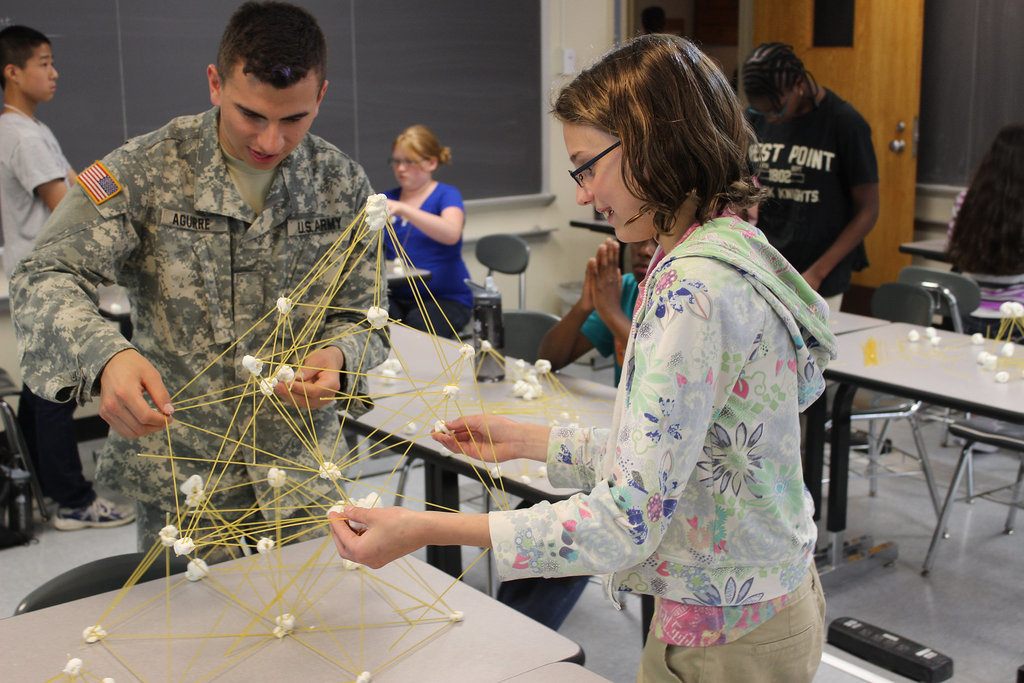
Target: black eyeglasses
pixel 586 171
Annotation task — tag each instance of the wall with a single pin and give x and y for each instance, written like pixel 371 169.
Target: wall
pixel 586 26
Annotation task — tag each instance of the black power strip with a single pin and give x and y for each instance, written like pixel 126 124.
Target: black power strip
pixel 890 651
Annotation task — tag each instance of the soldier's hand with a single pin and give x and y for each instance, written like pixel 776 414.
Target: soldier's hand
pixel 318 380
pixel 124 382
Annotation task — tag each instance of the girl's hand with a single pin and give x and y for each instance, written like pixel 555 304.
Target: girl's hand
pixel 389 533
pixel 495 439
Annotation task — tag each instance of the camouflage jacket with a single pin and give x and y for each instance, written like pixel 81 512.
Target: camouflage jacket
pixel 202 271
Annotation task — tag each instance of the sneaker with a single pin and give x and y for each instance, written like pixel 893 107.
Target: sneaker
pixel 100 513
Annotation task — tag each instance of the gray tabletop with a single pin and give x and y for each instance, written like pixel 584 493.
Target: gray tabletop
pixel 934 249
pixel 844 323
pixel 947 374
pixel 393 622
pixel 559 672
pixel 407 406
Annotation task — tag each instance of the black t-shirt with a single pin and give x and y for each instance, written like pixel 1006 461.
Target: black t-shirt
pixel 808 166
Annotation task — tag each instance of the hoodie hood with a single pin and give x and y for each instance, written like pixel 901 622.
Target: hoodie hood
pixel 802 311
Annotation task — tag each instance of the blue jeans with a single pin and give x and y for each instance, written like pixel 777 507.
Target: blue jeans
pixel 49 430
pixel 548 601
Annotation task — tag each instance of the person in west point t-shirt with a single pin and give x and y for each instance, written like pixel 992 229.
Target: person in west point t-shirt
pixel 814 157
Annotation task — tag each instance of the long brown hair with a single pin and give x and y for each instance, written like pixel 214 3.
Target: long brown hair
pixel 988 236
pixel 682 129
pixel 421 141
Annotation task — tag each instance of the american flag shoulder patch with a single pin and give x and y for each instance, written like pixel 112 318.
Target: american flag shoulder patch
pixel 98 183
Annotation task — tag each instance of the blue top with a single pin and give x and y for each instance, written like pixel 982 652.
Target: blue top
pixel 597 332
pixel 448 271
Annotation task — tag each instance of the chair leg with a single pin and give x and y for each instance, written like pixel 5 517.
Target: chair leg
pixel 1017 498
pixel 16 441
pixel 926 466
pixel 970 478
pixel 402 476
pixel 874 448
pixel 947 506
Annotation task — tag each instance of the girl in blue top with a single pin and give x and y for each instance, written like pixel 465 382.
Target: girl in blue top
pixel 428 218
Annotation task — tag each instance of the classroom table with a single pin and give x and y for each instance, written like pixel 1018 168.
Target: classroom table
pixel 597 225
pixel 416 397
pixel 844 323
pixel 347 622
pixel 934 249
pixel 559 672
pixel 394 277
pixel 883 359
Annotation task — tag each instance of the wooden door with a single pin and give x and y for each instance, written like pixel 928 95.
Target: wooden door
pixel 880 75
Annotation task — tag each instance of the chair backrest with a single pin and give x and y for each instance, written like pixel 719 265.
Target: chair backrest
pixel 955 295
pixel 902 303
pixel 507 254
pixel 523 332
pixel 93 578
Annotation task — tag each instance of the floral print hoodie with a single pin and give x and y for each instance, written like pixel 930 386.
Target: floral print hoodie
pixel 696 492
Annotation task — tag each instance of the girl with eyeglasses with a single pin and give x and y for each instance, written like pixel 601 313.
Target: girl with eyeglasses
pixel 695 493
pixel 428 218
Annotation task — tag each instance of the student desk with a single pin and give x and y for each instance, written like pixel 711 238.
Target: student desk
pixel 406 275
pixel 416 397
pixel 935 249
pixel 492 643
pixel 844 323
pixel 947 375
pixel 559 672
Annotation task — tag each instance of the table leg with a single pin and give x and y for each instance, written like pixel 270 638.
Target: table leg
pixel 442 492
pixel 814 450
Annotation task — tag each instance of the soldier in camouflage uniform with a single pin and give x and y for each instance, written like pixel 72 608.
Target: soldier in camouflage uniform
pixel 166 219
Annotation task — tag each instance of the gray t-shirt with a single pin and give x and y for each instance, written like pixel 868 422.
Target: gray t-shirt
pixel 29 157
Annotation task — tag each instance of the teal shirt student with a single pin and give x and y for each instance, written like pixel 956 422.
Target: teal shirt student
pixel 598 333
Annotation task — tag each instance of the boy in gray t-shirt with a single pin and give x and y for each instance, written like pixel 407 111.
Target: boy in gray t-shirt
pixel 34 177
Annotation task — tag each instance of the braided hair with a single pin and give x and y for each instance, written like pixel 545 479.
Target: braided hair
pixel 771 70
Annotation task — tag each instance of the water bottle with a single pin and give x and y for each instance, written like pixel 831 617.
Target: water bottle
pixel 487 326
pixel 19 510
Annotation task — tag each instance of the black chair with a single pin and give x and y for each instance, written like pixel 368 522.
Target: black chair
pixel 93 578
pixel 954 295
pixel 524 331
pixel 507 254
pixel 905 303
pixel 975 431
pixel 16 440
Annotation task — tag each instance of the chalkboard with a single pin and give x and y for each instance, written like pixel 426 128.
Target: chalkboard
pixel 972 84
pixel 469 70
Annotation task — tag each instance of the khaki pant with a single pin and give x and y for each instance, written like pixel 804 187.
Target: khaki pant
pixel 785 649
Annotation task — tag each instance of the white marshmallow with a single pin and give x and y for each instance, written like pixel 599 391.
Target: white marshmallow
pixel 192 484
pixel 411 428
pixel 930 332
pixel 168 535
pixel 977 338
pixel 265 545
pixel 377 317
pixel 286 374
pixel 197 570
pixel 1007 350
pixel 184 546
pixel 364 677
pixel 285 625
pixel 276 477
pixel 934 341
pixel 440 426
pixel 392 364
pixel 284 305
pixel 542 471
pixel 388 376
pixel 267 385
pixel 1017 309
pixel 467 351
pixel 525 478
pixel 913 335
pixel 93 633
pixel 450 391
pixel 486 346
pixel 398 268
pixel 1002 377
pixel 1006 309
pixel 330 470
pixel 990 361
pixel 73 667
pixel 253 365
pixel 376 212
pixel 542 366
pixel 456 616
